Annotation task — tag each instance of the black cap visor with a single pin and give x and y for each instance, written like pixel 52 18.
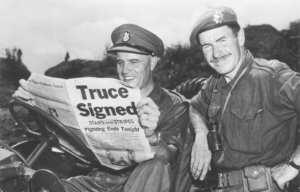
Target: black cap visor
pixel 130 48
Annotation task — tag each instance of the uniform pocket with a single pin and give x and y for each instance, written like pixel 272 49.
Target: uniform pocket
pixel 244 132
pixel 257 178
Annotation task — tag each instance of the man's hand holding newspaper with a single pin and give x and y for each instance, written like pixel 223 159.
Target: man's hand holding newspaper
pixel 22 91
pixel 148 114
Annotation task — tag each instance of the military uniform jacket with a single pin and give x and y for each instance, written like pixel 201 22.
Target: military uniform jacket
pixel 259 124
pixel 174 116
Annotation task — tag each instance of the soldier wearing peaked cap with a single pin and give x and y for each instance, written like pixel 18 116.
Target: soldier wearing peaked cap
pixel 162 114
pixel 252 106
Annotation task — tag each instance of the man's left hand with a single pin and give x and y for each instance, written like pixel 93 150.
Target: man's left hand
pixel 283 173
pixel 148 114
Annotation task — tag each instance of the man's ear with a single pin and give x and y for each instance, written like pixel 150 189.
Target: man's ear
pixel 153 62
pixel 241 37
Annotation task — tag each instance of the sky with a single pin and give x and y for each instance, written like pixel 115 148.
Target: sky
pixel 45 30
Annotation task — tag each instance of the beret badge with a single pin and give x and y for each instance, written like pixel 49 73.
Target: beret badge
pixel 218 17
pixel 126 36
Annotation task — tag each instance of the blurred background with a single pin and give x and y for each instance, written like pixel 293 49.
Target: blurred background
pixel 69 38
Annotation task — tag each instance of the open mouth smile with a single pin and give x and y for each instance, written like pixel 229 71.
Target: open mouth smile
pixel 128 78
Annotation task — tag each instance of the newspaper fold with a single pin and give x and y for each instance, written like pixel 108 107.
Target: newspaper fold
pixel 101 111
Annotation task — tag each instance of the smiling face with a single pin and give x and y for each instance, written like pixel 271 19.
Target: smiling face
pixel 223 50
pixel 136 70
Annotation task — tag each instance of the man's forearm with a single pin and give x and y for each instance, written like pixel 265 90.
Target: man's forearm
pixel 198 122
pixel 168 152
pixel 296 156
pixel 200 155
pixel 283 172
pixel 162 149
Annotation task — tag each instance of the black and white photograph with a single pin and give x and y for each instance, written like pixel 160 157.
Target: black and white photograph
pixel 213 88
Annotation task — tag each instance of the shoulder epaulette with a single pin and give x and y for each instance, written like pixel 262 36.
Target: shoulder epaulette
pixel 176 94
pixel 274 66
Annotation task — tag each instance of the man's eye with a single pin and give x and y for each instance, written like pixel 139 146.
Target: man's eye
pixel 221 40
pixel 205 47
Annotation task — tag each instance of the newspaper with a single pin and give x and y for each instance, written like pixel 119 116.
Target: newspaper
pixel 101 111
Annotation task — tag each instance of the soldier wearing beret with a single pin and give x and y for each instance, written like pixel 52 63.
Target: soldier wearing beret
pixel 249 110
pixel 162 113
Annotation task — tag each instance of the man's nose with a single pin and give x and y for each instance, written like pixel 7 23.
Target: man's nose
pixel 217 52
pixel 126 68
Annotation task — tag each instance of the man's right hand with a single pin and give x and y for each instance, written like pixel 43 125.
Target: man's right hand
pixel 200 157
pixel 22 92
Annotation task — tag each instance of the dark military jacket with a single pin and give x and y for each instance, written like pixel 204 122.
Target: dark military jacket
pixel 174 115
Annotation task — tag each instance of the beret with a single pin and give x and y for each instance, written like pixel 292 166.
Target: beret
pixel 135 39
pixel 211 19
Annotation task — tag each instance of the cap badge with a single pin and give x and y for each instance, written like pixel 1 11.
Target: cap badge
pixel 126 36
pixel 218 17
